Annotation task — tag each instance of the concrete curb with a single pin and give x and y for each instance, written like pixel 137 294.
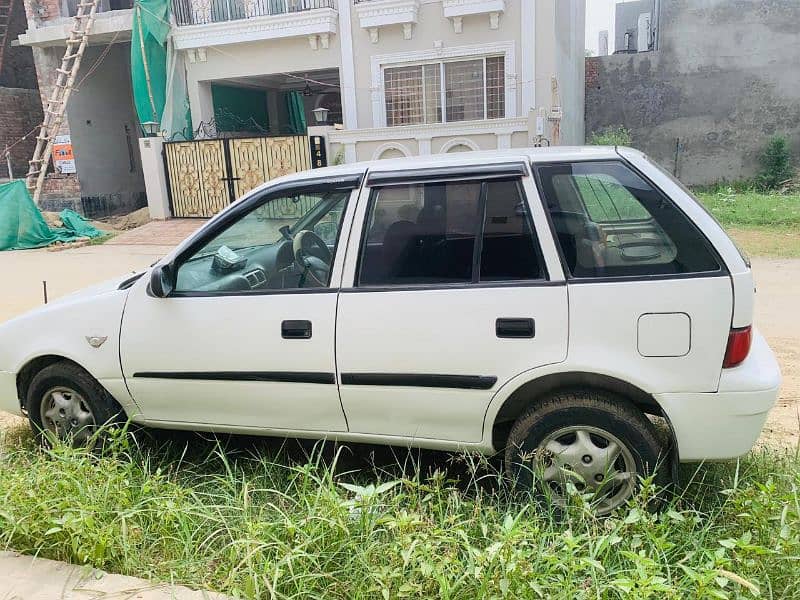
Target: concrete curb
pixel 30 578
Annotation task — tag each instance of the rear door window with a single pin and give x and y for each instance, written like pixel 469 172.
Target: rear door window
pixel 449 233
pixel 609 222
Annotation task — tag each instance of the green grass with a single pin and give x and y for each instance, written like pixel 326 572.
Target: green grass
pixel 749 208
pixel 258 521
pixel 101 239
pixel 762 224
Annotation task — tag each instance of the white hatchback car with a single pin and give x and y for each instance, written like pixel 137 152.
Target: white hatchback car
pixel 539 302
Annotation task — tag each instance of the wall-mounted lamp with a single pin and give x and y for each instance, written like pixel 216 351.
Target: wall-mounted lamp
pixel 321 115
pixel 150 128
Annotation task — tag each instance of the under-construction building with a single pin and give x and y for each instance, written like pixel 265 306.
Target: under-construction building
pixel 95 167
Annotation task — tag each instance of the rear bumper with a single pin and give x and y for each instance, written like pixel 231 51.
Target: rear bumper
pixel 8 393
pixel 726 424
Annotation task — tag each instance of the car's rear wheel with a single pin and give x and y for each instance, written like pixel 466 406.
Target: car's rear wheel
pixel 67 403
pixel 589 441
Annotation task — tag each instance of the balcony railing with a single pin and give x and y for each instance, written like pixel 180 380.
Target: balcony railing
pixel 200 12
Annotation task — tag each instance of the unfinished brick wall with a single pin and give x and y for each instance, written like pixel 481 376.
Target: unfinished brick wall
pixel 17 70
pixel 592 66
pixel 41 11
pixel 20 111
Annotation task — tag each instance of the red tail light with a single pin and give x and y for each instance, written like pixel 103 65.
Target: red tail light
pixel 738 346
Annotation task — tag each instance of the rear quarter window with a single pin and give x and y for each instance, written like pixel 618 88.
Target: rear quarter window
pixel 610 222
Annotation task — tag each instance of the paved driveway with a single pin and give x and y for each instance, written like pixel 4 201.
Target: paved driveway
pixel 22 272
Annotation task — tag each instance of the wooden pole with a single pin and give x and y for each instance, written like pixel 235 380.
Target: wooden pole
pixel 145 65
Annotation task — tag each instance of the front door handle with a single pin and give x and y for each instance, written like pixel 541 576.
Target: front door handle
pixel 296 330
pixel 515 328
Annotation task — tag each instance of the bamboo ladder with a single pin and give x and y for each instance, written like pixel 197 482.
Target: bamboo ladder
pixel 57 104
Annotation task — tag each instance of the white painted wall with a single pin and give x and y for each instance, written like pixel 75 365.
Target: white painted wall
pixel 155 178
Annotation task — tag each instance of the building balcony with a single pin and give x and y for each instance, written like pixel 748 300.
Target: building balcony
pixel 374 14
pixel 113 21
pixel 456 10
pixel 202 23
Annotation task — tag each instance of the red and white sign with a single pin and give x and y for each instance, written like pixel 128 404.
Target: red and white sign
pixel 63 158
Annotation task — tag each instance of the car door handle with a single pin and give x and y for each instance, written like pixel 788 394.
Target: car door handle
pixel 296 330
pixel 515 328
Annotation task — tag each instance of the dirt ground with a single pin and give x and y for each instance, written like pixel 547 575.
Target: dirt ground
pixel 777 300
pixel 778 319
pixel 112 224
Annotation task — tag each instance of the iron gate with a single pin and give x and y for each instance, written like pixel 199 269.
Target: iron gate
pixel 204 176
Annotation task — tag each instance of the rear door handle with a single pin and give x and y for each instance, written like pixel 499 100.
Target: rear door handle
pixel 296 330
pixel 515 328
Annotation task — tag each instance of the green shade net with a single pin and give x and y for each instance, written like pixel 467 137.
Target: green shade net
pixel 22 226
pixel 149 58
pixel 297 112
pixel 239 109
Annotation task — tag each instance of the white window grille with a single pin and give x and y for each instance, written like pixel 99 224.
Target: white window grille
pixel 469 90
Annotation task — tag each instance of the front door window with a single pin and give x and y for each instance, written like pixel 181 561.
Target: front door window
pixel 287 242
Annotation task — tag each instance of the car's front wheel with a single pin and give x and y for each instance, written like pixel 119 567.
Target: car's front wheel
pixel 589 441
pixel 64 401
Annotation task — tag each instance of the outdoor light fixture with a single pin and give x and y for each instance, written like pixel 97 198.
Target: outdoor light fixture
pixel 150 128
pixel 321 115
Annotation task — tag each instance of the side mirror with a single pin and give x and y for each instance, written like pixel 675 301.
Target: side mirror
pixel 162 281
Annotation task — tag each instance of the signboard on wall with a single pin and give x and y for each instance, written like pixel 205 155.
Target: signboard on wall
pixel 319 154
pixel 63 158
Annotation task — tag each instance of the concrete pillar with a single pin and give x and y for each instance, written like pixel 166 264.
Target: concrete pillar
pixel 350 155
pixel 155 177
pixel 273 112
pixel 324 132
pixel 201 102
pixel 424 144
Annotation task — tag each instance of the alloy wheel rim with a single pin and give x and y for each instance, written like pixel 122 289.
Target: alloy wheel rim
pixel 65 413
pixel 595 461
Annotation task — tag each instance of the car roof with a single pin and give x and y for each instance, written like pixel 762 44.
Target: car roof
pixel 458 159
pixel 461 159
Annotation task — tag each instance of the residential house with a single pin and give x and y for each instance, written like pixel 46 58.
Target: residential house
pixel 396 77
pixel 403 77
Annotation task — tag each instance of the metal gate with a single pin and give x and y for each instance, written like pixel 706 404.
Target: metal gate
pixel 204 176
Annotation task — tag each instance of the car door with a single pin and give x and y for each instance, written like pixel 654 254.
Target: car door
pixel 447 294
pixel 246 338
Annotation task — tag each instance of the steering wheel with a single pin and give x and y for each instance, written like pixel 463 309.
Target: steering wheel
pixel 312 256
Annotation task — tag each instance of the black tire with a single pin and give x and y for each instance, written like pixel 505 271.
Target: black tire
pixel 104 409
pixel 599 411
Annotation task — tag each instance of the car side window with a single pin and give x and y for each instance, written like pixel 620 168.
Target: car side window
pixel 609 222
pixel 448 233
pixel 510 250
pixel 287 242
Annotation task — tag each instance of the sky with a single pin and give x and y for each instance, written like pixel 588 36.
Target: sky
pixel 600 16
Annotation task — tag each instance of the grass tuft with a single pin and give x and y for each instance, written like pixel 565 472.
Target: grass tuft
pixel 261 522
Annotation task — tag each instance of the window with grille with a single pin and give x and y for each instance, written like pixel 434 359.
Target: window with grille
pixel 470 90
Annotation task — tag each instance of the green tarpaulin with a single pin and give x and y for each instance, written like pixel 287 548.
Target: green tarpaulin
pixel 149 58
pixel 22 226
pixel 297 113
pixel 157 72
